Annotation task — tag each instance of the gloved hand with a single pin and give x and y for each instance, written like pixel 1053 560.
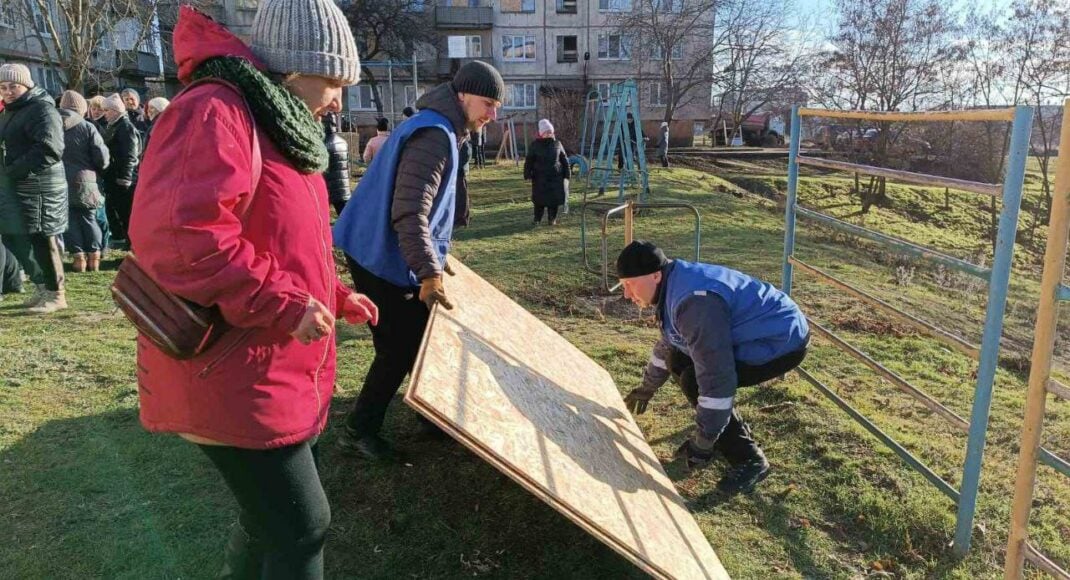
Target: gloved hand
pixel 637 400
pixel 697 451
pixel 431 291
pixel 447 269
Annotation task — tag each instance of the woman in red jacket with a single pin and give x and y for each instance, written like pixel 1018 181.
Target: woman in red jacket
pixel 217 225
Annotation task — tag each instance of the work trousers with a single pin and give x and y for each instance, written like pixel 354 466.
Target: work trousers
pixel 402 321
pixel 284 514
pixel 736 442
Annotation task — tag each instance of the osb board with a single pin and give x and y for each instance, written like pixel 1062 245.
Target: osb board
pixel 528 402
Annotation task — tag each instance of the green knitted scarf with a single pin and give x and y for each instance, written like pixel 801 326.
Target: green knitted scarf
pixel 285 118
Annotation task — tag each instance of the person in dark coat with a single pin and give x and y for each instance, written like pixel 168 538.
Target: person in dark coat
pixel 84 157
pixel 720 330
pixel 547 167
pixel 397 234
pixel 33 188
pixel 124 145
pixel 132 102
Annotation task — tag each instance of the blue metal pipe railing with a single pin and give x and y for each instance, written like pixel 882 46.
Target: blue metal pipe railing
pixel 1054 461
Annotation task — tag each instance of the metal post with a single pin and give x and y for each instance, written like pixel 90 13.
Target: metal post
pixel 997 300
pixel 629 217
pixel 415 78
pixel 1040 369
pixel 793 188
pixel 390 83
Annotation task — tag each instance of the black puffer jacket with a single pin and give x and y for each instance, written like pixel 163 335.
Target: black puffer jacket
pixel 33 188
pixel 124 144
pixel 423 164
pixel 84 156
pixel 547 167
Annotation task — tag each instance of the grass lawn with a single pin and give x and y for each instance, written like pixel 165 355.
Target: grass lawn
pixel 85 492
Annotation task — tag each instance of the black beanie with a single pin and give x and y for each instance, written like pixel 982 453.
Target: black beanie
pixel 640 258
pixel 479 78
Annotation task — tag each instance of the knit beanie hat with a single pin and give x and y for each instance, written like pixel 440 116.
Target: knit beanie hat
pixel 16 73
pixel 74 101
pixel 479 78
pixel 114 103
pixel 640 258
pixel 158 104
pixel 546 127
pixel 309 37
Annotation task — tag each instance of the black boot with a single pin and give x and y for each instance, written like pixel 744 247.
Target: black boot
pixel 243 556
pixel 743 477
pixel 368 447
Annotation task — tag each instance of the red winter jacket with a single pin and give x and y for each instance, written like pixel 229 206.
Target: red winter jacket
pixel 257 387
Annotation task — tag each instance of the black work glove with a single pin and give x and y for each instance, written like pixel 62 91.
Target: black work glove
pixel 637 400
pixel 697 451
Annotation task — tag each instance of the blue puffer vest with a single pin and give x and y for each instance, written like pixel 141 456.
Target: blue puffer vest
pixel 364 230
pixel 766 323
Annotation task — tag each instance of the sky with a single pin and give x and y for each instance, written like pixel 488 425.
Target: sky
pixel 822 10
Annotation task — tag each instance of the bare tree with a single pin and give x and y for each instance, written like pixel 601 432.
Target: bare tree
pixel 762 59
pixel 674 47
pixel 76 36
pixel 390 28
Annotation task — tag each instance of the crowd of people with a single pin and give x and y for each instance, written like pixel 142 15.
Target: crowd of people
pixel 67 179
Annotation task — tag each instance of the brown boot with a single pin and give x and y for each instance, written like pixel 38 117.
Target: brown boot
pixel 93 261
pixel 78 262
pixel 51 302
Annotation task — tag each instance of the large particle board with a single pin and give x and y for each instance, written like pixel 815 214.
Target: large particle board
pixel 530 403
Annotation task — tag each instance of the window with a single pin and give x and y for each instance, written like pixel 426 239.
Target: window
pixel 603 91
pixel 615 5
pixel 566 49
pixel 412 95
pixel 659 94
pixel 677 51
pixel 613 47
pixel 519 96
pixel 675 6
pixel 361 98
pixel 515 48
pixel 566 6
pixel 7 15
pixel 415 6
pixel 518 5
pixel 464 46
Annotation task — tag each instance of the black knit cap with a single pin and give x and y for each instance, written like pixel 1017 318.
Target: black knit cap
pixel 479 78
pixel 640 258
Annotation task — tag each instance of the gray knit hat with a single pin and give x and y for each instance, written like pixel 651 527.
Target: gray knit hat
pixel 305 36
pixel 16 73
pixel 74 101
pixel 479 78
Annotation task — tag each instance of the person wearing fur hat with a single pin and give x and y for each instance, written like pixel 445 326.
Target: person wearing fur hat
pixel 124 145
pixel 85 156
pixel 231 211
pixel 720 330
pixel 663 144
pixel 33 189
pixel 397 238
pixel 547 167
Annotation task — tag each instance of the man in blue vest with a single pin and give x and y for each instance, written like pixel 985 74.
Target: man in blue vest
pixel 396 234
pixel 720 330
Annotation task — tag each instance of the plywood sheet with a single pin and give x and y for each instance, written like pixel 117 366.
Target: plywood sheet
pixel 524 399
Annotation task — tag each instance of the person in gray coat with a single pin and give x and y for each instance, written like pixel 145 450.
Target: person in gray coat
pixel 84 157
pixel 663 144
pixel 33 188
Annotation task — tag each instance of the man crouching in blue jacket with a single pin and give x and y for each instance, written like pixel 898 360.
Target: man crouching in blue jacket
pixel 720 330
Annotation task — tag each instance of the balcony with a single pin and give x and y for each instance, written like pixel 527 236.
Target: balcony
pixel 480 17
pixel 137 63
pixel 448 66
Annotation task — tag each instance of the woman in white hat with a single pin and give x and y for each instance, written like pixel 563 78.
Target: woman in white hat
pixel 546 166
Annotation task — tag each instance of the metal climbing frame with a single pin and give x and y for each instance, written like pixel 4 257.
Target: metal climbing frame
pixel 1040 382
pixel 987 354
pixel 623 99
pixel 627 210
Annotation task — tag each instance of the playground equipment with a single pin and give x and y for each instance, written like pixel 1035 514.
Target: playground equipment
pixel 1010 191
pixel 628 211
pixel 604 130
pixel 1040 382
pixel 508 147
